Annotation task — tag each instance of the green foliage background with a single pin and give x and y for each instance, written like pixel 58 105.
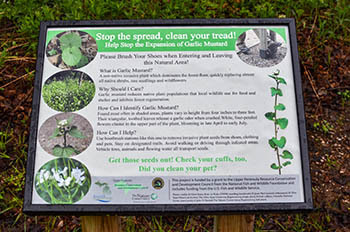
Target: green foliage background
pixel 67 95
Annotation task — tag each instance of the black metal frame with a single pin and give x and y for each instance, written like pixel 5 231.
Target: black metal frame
pixel 138 209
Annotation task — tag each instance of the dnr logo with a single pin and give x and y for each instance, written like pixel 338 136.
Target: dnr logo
pixel 158 183
pixel 106 193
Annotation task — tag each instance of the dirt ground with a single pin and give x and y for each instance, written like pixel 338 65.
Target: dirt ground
pixel 253 57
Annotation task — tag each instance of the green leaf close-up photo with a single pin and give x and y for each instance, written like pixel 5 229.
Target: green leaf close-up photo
pixel 71 49
pixel 323 37
pixel 71 55
pixel 70 40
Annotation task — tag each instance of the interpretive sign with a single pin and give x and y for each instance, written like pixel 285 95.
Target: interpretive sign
pixel 167 116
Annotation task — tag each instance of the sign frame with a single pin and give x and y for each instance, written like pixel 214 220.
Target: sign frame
pixel 143 209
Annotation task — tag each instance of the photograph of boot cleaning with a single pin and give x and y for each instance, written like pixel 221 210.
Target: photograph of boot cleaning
pixel 261 47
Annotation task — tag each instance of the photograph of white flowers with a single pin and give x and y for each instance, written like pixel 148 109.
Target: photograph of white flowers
pixel 62 181
pixel 65 134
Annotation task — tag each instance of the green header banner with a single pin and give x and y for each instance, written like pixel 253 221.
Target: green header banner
pixel 144 40
pixel 178 39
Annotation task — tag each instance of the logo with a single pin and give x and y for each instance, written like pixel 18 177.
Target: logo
pixel 154 196
pixel 158 183
pixel 106 195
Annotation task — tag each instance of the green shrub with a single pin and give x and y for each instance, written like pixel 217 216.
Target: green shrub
pixel 68 95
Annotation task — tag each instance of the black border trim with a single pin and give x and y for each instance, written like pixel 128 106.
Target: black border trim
pixel 169 209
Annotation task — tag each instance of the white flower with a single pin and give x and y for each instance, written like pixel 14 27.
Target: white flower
pixel 63 123
pixel 61 177
pixel 64 182
pixel 78 175
pixel 55 174
pixel 47 175
pixel 43 176
pixel 63 172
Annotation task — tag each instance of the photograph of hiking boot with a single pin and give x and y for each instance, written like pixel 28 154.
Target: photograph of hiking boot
pixel 261 47
pixel 243 49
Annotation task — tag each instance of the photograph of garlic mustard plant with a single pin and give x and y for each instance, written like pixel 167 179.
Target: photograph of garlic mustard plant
pixel 65 134
pixel 68 91
pixel 71 49
pixel 62 181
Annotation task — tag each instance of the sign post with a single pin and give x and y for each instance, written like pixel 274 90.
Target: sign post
pixel 156 117
pixel 234 223
pixel 100 224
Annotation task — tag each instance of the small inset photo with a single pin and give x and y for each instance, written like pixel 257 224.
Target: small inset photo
pixel 71 49
pixel 68 91
pixel 62 181
pixel 261 47
pixel 65 135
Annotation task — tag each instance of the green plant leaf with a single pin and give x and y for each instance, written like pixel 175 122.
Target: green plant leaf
pixel 70 119
pixel 280 107
pixel 273 77
pixel 272 144
pixel 282 122
pixel 287 155
pixel 71 56
pixel 83 61
pixel 286 163
pixel 52 52
pixel 70 40
pixel 63 151
pixel 274 166
pixel 68 151
pixel 57 150
pixel 281 80
pixel 56 133
pixel 275 91
pixel 281 142
pixel 270 116
pixel 74 132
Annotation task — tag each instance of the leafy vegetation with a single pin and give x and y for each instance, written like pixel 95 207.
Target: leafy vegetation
pixel 68 93
pixel 345 97
pixel 323 126
pixel 323 39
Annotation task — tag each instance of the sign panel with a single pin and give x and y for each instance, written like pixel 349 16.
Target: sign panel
pixel 167 116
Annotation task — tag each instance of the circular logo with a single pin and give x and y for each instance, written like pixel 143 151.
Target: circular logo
pixel 158 183
pixel 154 196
